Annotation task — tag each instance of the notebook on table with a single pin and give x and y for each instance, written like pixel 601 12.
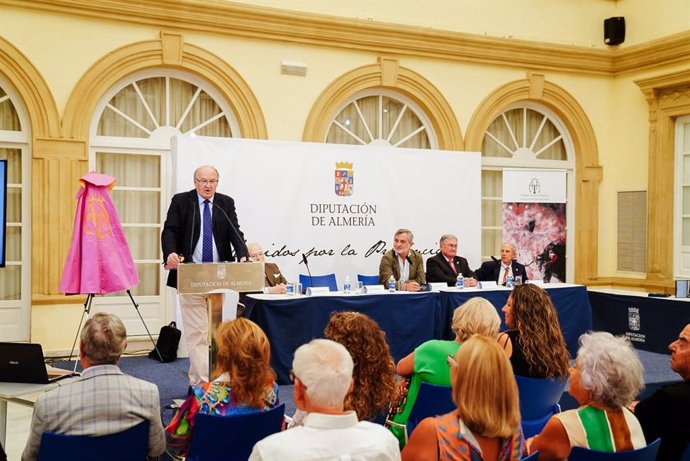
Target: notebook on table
pixel 24 363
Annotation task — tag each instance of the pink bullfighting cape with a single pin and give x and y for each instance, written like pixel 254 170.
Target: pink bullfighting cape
pixel 99 260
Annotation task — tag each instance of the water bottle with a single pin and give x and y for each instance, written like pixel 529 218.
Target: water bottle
pixel 460 281
pixel 510 281
pixel 347 286
pixel 391 284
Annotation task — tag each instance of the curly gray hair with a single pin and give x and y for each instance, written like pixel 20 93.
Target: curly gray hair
pixel 609 368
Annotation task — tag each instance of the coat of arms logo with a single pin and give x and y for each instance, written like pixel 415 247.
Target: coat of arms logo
pixel 634 318
pixel 344 179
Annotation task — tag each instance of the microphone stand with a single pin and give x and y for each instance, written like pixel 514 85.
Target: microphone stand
pixel 306 264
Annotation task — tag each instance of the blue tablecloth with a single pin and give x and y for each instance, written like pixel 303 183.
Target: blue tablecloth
pixel 408 319
pixel 650 323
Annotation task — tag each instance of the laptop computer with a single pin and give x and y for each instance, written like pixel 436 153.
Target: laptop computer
pixel 24 363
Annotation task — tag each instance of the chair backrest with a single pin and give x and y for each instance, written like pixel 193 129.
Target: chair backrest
pixel 368 279
pixel 232 437
pixel 327 280
pixel 538 396
pixel 131 444
pixel 647 453
pixel 431 400
pixel 533 457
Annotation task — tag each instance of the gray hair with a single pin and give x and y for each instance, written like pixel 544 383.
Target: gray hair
pixel 405 231
pixel 512 247
pixel 325 368
pixel 609 368
pixel 445 237
pixel 103 339
pixel 206 166
pixel 476 316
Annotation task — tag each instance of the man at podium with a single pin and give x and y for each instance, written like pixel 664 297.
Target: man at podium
pixel 201 226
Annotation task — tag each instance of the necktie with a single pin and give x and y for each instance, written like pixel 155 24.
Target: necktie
pixel 452 266
pixel 207 242
pixel 505 274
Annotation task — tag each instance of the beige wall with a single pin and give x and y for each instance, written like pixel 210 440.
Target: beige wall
pixel 63 47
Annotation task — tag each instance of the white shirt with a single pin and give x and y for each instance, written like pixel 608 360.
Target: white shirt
pixel 504 269
pixel 329 438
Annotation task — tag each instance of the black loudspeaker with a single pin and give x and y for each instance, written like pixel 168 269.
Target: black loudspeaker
pixel 614 30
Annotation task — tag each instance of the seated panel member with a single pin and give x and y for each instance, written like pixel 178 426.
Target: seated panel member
pixel 446 265
pixel 497 271
pixel 275 281
pixel 405 264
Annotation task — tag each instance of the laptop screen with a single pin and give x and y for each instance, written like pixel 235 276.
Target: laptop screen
pixel 22 363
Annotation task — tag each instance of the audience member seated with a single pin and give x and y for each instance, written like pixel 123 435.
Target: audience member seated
pixel 403 263
pixel 486 424
pixel 374 371
pixel 500 270
pixel 104 400
pixel 534 343
pixel 323 377
pixel 606 376
pixel 244 382
pixel 275 281
pixel 446 265
pixel 427 363
pixel 665 413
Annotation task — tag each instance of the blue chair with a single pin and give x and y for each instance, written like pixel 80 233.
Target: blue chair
pixel 131 444
pixel 532 457
pixel 431 400
pixel 368 279
pixel 232 437
pixel 538 402
pixel 327 280
pixel 647 453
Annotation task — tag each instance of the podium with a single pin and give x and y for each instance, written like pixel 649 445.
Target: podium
pixel 216 280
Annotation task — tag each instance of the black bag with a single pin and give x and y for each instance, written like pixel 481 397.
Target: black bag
pixel 168 340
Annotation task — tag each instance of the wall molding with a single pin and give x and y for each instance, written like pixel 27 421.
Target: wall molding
pixel 231 19
pixel 386 73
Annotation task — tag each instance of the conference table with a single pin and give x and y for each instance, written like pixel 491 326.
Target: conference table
pixel 408 319
pixel 650 323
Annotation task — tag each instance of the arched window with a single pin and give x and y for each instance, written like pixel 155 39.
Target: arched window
pixel 130 140
pixel 523 135
pixel 14 277
pixel 381 117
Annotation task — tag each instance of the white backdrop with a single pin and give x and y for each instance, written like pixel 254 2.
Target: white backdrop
pixel 286 200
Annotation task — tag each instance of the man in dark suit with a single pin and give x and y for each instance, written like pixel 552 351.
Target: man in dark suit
pixel 201 226
pixel 275 281
pixel 665 413
pixel 498 270
pixel 446 265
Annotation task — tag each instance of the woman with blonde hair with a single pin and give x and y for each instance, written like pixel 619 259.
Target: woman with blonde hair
pixel 486 424
pixel 374 372
pixel 534 343
pixel 427 363
pixel 244 383
pixel 606 377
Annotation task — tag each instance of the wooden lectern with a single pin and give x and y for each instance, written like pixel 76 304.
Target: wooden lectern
pixel 216 279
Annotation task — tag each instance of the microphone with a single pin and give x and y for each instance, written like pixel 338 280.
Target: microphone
pixel 306 264
pixel 191 236
pixel 234 229
pixel 494 258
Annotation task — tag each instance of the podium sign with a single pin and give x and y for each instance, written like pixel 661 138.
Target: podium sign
pixel 200 278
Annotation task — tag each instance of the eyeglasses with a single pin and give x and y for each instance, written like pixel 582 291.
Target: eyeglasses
pixel 450 360
pixel 291 375
pixel 207 182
